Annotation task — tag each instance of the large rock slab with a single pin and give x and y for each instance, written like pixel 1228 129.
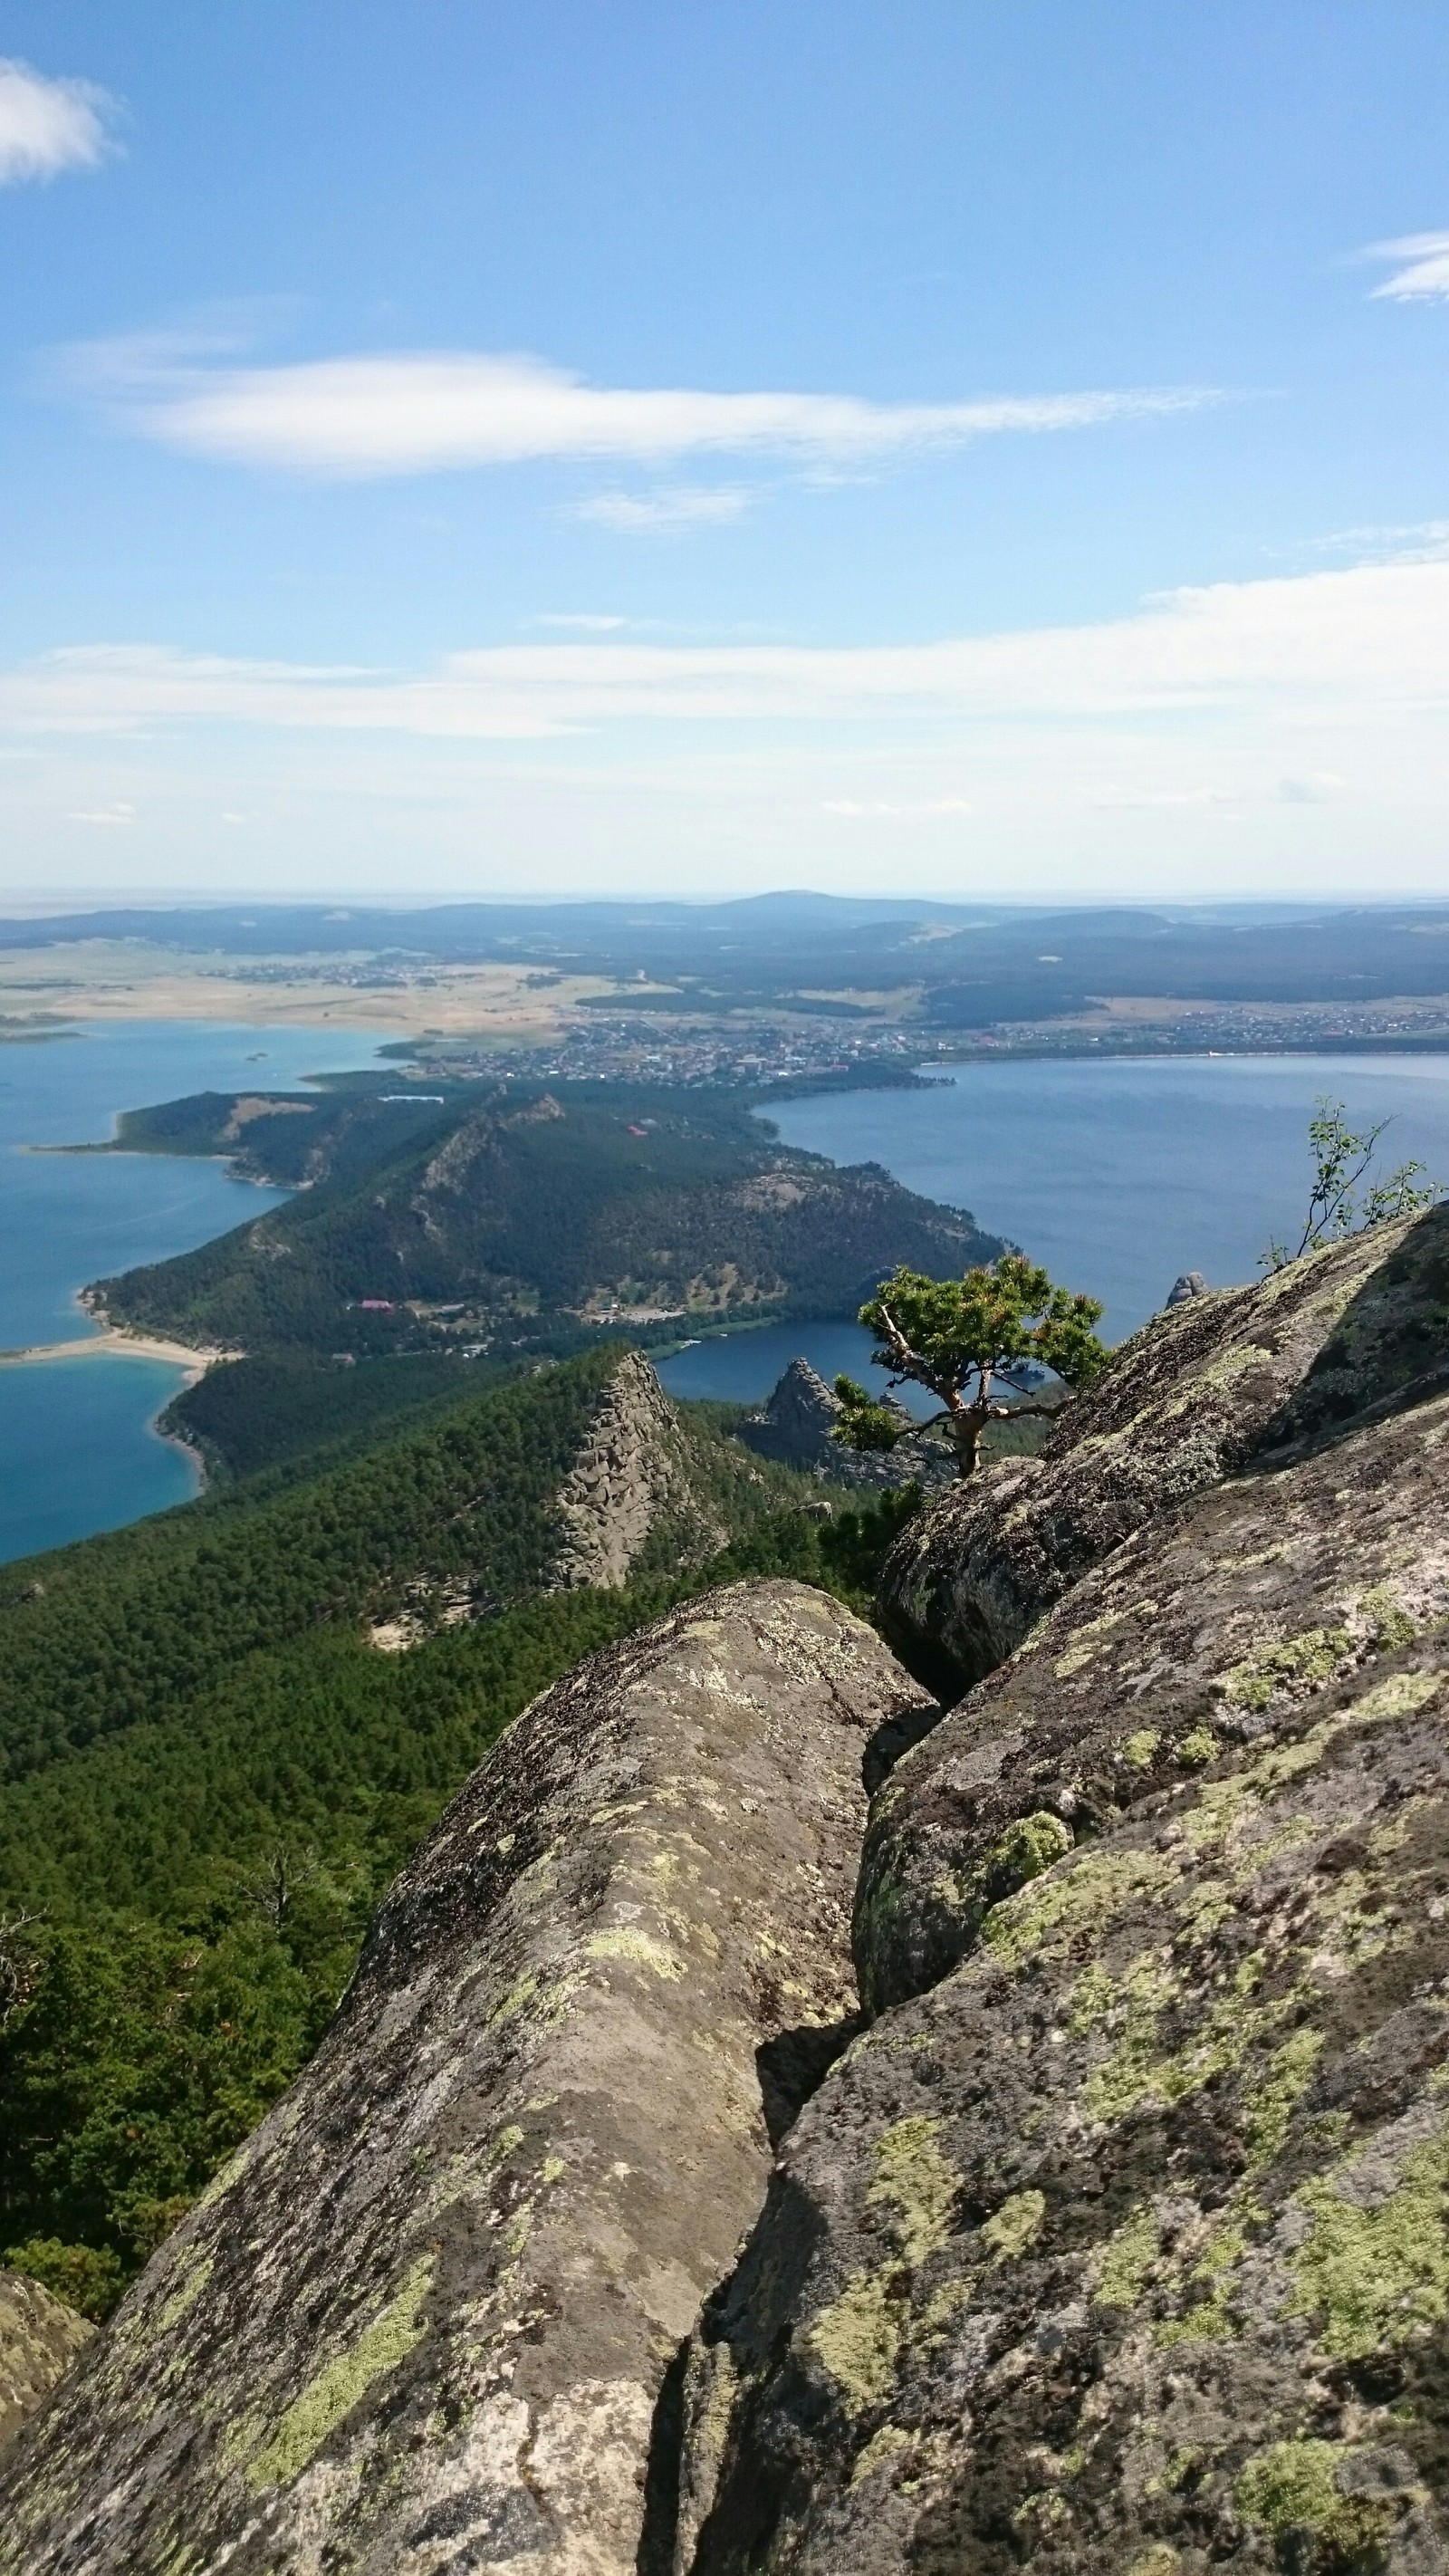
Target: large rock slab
pixel 422 2322
pixel 39 2339
pixel 1124 2249
pixel 1200 1393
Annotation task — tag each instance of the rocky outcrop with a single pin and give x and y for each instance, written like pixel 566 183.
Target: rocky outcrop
pixel 1120 2241
pixel 421 2324
pixel 629 1476
pixel 796 1429
pixel 39 2339
pixel 1223 1381
pixel 1188 1283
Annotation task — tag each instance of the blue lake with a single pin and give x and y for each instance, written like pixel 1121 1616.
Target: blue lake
pixel 78 1450
pixel 741 1368
pixel 1116 1175
pixel 1119 1176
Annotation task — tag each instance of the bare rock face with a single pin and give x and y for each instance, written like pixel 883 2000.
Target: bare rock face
pixel 421 2324
pixel 629 1474
pixel 1223 1380
pixel 39 2339
pixel 1119 2245
pixel 796 1429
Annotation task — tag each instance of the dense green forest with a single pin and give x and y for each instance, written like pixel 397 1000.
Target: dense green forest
pixel 498 1217
pixel 213 1775
pixel 128 1628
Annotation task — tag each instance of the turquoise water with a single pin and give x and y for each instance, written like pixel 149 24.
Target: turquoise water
pixel 1118 1176
pixel 78 1452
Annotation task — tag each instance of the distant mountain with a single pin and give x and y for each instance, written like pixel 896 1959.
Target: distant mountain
pixel 493 1215
pixel 955 965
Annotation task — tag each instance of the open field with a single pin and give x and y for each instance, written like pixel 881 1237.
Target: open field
pixel 123 980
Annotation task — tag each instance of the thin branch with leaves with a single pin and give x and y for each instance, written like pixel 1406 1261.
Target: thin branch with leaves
pixel 1342 1162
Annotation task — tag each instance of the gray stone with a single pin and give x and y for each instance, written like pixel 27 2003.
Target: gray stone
pixel 1234 1377
pixel 39 2339
pixel 1120 2245
pixel 421 2323
pixel 796 1429
pixel 1188 1283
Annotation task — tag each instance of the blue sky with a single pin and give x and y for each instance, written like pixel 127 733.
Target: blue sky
pixel 451 448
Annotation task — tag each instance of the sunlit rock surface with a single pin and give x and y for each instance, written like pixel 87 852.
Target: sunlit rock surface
pixel 1203 1391
pixel 422 2323
pixel 39 2339
pixel 1117 2246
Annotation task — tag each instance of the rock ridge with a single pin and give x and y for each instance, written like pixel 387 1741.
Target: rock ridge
pixel 1225 1381
pixel 421 2323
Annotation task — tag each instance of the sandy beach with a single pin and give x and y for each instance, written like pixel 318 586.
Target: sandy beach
pixel 127 1345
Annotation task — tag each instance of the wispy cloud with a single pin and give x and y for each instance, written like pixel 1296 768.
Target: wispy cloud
pixel 1365 645
pixel 582 622
pixel 108 814
pixel 1424 276
pixel 430 411
pixel 662 514
pixel 47 126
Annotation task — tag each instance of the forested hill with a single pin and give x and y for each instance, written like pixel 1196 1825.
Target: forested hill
pixel 494 1216
pixel 457 1512
pixel 212 1770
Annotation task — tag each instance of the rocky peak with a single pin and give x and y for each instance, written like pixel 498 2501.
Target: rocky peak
pixel 796 1427
pixel 630 1472
pixel 1108 2236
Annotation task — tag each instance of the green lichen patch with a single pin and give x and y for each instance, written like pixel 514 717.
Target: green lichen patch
pixel 1295 1663
pixel 343 2382
pixel 627 1942
pixel 882 2448
pixel 858 2338
pixel 1401 1695
pixel 193 2270
pixel 1387 1621
pixel 1016 2226
pixel 1101 1884
pixel 1294 2491
pixel 1373 2275
pixel 1127 2261
pixel 915 2182
pixel 1273 2100
pixel 1139 1749
pixel 1198 1747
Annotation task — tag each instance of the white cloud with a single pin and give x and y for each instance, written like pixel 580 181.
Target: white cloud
pixel 651 514
pixel 1285 736
pixel 1425 278
pixel 1364 645
pixel 118 813
pixel 47 126
pixel 582 622
pixel 427 411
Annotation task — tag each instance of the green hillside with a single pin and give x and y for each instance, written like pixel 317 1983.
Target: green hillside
pixel 495 1217
pixel 213 1774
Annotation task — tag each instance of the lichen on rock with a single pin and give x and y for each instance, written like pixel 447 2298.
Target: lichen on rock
pixel 39 2339
pixel 423 2322
pixel 1223 1381
pixel 1186 2304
